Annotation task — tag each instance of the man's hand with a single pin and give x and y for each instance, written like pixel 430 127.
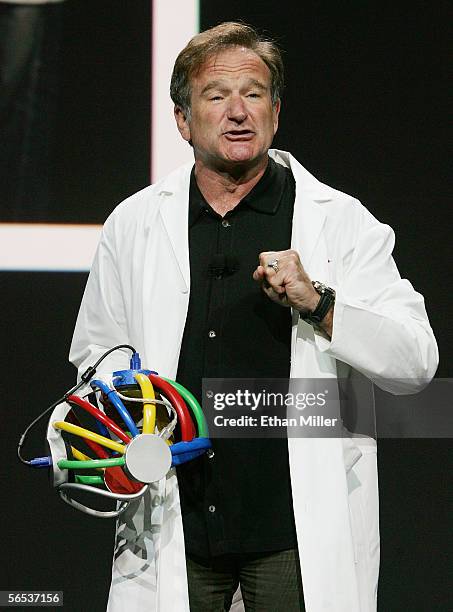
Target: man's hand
pixel 289 284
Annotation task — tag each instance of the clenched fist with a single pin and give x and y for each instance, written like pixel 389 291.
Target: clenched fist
pixel 287 283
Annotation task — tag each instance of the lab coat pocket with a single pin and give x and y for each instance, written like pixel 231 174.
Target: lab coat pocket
pixel 356 515
pixel 363 506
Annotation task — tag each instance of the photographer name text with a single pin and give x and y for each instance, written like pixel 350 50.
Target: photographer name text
pixel 274 421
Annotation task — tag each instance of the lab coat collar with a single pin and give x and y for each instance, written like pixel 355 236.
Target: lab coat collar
pixel 308 218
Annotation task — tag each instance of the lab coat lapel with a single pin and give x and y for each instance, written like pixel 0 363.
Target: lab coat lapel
pixel 309 218
pixel 165 291
pixel 174 210
pixel 308 222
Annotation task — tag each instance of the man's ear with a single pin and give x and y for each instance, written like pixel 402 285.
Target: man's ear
pixel 182 123
pixel 276 113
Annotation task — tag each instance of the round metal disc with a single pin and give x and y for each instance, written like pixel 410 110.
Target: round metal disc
pixel 148 458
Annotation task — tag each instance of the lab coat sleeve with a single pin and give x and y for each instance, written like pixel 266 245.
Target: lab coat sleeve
pixel 380 325
pixel 101 322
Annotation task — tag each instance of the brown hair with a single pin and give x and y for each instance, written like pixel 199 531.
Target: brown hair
pixel 210 42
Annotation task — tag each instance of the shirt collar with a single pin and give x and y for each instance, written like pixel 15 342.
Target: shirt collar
pixel 265 197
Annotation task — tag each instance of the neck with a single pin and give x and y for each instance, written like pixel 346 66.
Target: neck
pixel 223 189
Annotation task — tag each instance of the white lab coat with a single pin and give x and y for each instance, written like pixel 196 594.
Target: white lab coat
pixel 138 292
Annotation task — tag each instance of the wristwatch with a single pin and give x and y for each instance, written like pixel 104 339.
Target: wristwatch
pixel 327 298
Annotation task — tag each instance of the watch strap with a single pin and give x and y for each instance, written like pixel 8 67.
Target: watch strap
pixel 326 299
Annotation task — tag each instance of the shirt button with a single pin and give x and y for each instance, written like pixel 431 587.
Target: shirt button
pixel 211 508
pixel 226 223
pixel 212 334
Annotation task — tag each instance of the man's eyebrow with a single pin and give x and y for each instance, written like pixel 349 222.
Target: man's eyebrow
pixel 213 85
pixel 258 84
pixel 221 85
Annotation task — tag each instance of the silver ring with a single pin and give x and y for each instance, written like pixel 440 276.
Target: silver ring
pixel 274 265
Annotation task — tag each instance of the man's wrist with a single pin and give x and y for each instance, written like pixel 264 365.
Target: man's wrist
pixel 324 305
pixel 326 324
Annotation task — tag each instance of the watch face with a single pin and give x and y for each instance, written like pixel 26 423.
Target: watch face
pixel 320 288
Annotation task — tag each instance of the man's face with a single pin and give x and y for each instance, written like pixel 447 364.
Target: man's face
pixel 232 119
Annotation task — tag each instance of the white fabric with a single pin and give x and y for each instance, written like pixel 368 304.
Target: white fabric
pixel 138 292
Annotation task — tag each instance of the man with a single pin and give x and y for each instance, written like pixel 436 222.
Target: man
pixel 286 277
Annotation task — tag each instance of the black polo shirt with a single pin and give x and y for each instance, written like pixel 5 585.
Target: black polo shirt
pixel 239 500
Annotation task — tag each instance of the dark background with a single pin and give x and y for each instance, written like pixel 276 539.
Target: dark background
pixel 104 119
pixel 365 110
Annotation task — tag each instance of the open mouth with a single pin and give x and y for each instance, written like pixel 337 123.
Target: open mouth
pixel 239 135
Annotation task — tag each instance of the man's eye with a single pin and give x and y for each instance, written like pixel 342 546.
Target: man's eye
pixel 216 98
pixel 253 94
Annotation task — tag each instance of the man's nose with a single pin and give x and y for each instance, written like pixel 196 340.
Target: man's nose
pixel 236 109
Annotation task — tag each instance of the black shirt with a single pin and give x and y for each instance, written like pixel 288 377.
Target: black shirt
pixel 240 499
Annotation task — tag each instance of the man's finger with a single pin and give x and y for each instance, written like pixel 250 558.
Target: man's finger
pixel 275 278
pixel 266 257
pixel 258 274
